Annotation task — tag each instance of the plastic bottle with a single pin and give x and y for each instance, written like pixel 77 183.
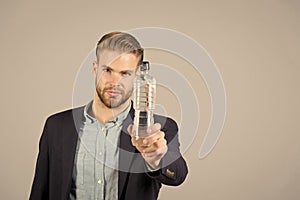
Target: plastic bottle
pixel 144 101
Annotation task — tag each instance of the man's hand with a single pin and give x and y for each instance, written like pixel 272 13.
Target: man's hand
pixel 153 147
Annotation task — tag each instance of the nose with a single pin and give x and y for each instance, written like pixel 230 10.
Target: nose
pixel 115 78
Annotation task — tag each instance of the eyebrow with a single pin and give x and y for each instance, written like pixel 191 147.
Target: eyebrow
pixel 122 71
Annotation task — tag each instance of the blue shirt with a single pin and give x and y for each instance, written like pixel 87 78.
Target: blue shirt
pixel 95 173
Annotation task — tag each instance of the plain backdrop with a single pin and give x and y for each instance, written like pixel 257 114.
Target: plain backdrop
pixel 255 44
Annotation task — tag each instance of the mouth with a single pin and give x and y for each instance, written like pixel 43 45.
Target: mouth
pixel 113 93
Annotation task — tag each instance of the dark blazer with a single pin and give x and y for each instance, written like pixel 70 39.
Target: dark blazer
pixel 57 147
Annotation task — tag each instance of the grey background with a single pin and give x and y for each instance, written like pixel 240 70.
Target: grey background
pixel 255 44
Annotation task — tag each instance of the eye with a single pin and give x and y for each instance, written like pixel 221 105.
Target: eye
pixel 126 74
pixel 106 69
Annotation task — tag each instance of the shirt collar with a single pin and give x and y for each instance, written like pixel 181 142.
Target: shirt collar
pixel 89 116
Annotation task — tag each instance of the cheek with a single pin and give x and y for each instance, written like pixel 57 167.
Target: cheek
pixel 128 83
pixel 99 84
pixel 100 80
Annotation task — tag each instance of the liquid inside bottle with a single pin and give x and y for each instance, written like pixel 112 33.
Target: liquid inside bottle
pixel 144 102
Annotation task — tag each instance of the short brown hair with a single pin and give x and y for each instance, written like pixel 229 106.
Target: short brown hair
pixel 122 42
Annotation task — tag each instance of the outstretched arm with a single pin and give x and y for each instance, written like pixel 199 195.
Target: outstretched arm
pixel 161 153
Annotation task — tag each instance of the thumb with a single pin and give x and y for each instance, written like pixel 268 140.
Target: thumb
pixel 129 129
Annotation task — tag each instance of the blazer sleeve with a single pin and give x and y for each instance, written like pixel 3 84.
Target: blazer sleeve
pixel 173 166
pixel 40 185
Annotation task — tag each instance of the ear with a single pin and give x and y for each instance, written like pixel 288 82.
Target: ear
pixel 95 68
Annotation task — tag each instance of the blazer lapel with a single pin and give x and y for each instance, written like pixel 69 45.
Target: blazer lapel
pixel 69 143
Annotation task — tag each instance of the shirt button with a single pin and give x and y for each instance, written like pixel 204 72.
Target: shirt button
pixel 103 129
pixel 100 153
pixel 99 182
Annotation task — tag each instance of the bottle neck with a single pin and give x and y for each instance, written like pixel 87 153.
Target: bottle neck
pixel 144 72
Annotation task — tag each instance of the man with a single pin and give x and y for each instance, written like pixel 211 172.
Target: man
pixel 88 152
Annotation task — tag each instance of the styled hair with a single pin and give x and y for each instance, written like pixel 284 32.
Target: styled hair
pixel 121 42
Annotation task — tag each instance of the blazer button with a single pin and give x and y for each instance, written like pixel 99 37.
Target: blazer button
pixel 170 173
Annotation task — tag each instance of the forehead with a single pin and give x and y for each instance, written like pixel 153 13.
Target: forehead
pixel 115 59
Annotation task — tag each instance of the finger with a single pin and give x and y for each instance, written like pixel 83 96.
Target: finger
pixel 154 128
pixel 129 129
pixel 162 143
pixel 153 138
pixel 156 153
pixel 138 142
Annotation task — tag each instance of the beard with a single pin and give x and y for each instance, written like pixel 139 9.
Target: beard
pixel 113 101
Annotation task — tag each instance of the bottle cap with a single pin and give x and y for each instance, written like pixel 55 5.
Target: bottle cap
pixel 145 66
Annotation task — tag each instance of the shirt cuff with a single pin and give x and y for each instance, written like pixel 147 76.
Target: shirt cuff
pixel 150 169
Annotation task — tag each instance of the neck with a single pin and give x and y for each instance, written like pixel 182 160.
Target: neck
pixel 103 114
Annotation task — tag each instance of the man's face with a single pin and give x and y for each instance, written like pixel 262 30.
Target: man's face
pixel 115 73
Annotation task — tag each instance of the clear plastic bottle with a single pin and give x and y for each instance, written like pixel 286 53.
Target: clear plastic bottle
pixel 144 101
